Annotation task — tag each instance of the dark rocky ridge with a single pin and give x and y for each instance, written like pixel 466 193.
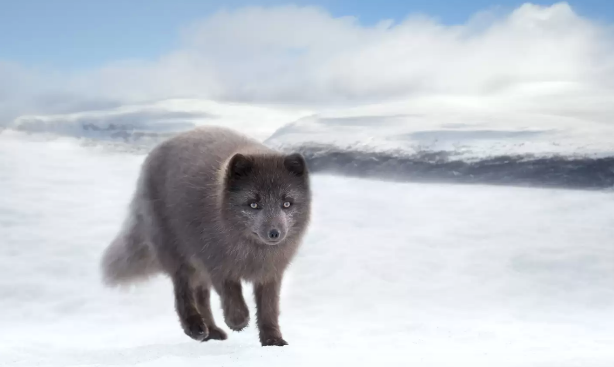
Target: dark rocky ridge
pixel 516 170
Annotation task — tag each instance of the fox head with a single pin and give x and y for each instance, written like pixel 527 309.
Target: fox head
pixel 267 196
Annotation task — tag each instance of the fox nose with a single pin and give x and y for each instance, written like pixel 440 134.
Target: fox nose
pixel 274 234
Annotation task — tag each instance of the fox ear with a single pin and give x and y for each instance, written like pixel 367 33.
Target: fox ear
pixel 295 163
pixel 239 166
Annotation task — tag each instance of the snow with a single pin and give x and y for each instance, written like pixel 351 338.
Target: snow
pixel 160 118
pixel 468 128
pixel 390 274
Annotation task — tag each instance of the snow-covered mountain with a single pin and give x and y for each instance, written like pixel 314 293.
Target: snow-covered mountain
pixel 418 141
pixel 150 122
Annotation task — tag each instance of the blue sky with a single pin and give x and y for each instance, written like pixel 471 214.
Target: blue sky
pixel 76 34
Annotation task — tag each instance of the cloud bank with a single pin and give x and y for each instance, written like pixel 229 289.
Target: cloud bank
pixel 548 60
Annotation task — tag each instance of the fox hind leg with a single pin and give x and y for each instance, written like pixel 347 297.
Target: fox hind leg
pixel 185 304
pixel 203 302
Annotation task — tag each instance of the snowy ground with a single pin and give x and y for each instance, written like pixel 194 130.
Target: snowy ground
pixel 390 274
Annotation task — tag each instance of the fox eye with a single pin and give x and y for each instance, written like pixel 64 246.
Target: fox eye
pixel 254 205
pixel 287 204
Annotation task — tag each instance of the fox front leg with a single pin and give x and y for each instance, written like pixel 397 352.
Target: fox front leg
pixel 267 303
pixel 236 313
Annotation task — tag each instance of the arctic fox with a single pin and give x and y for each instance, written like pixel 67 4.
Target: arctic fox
pixel 213 208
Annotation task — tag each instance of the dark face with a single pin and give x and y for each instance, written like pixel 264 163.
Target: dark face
pixel 267 196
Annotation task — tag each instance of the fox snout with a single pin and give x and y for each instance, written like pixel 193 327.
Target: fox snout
pixel 273 230
pixel 272 235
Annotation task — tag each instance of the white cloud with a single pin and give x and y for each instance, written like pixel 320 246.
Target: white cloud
pixel 546 59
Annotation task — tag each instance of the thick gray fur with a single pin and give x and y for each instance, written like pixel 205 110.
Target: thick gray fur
pixel 214 208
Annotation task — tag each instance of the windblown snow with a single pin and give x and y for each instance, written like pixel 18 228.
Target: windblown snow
pixel 389 274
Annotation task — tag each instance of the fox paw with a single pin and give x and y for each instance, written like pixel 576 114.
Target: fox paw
pixel 195 328
pixel 215 333
pixel 237 318
pixel 273 341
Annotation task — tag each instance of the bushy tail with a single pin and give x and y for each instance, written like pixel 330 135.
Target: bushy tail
pixel 129 258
